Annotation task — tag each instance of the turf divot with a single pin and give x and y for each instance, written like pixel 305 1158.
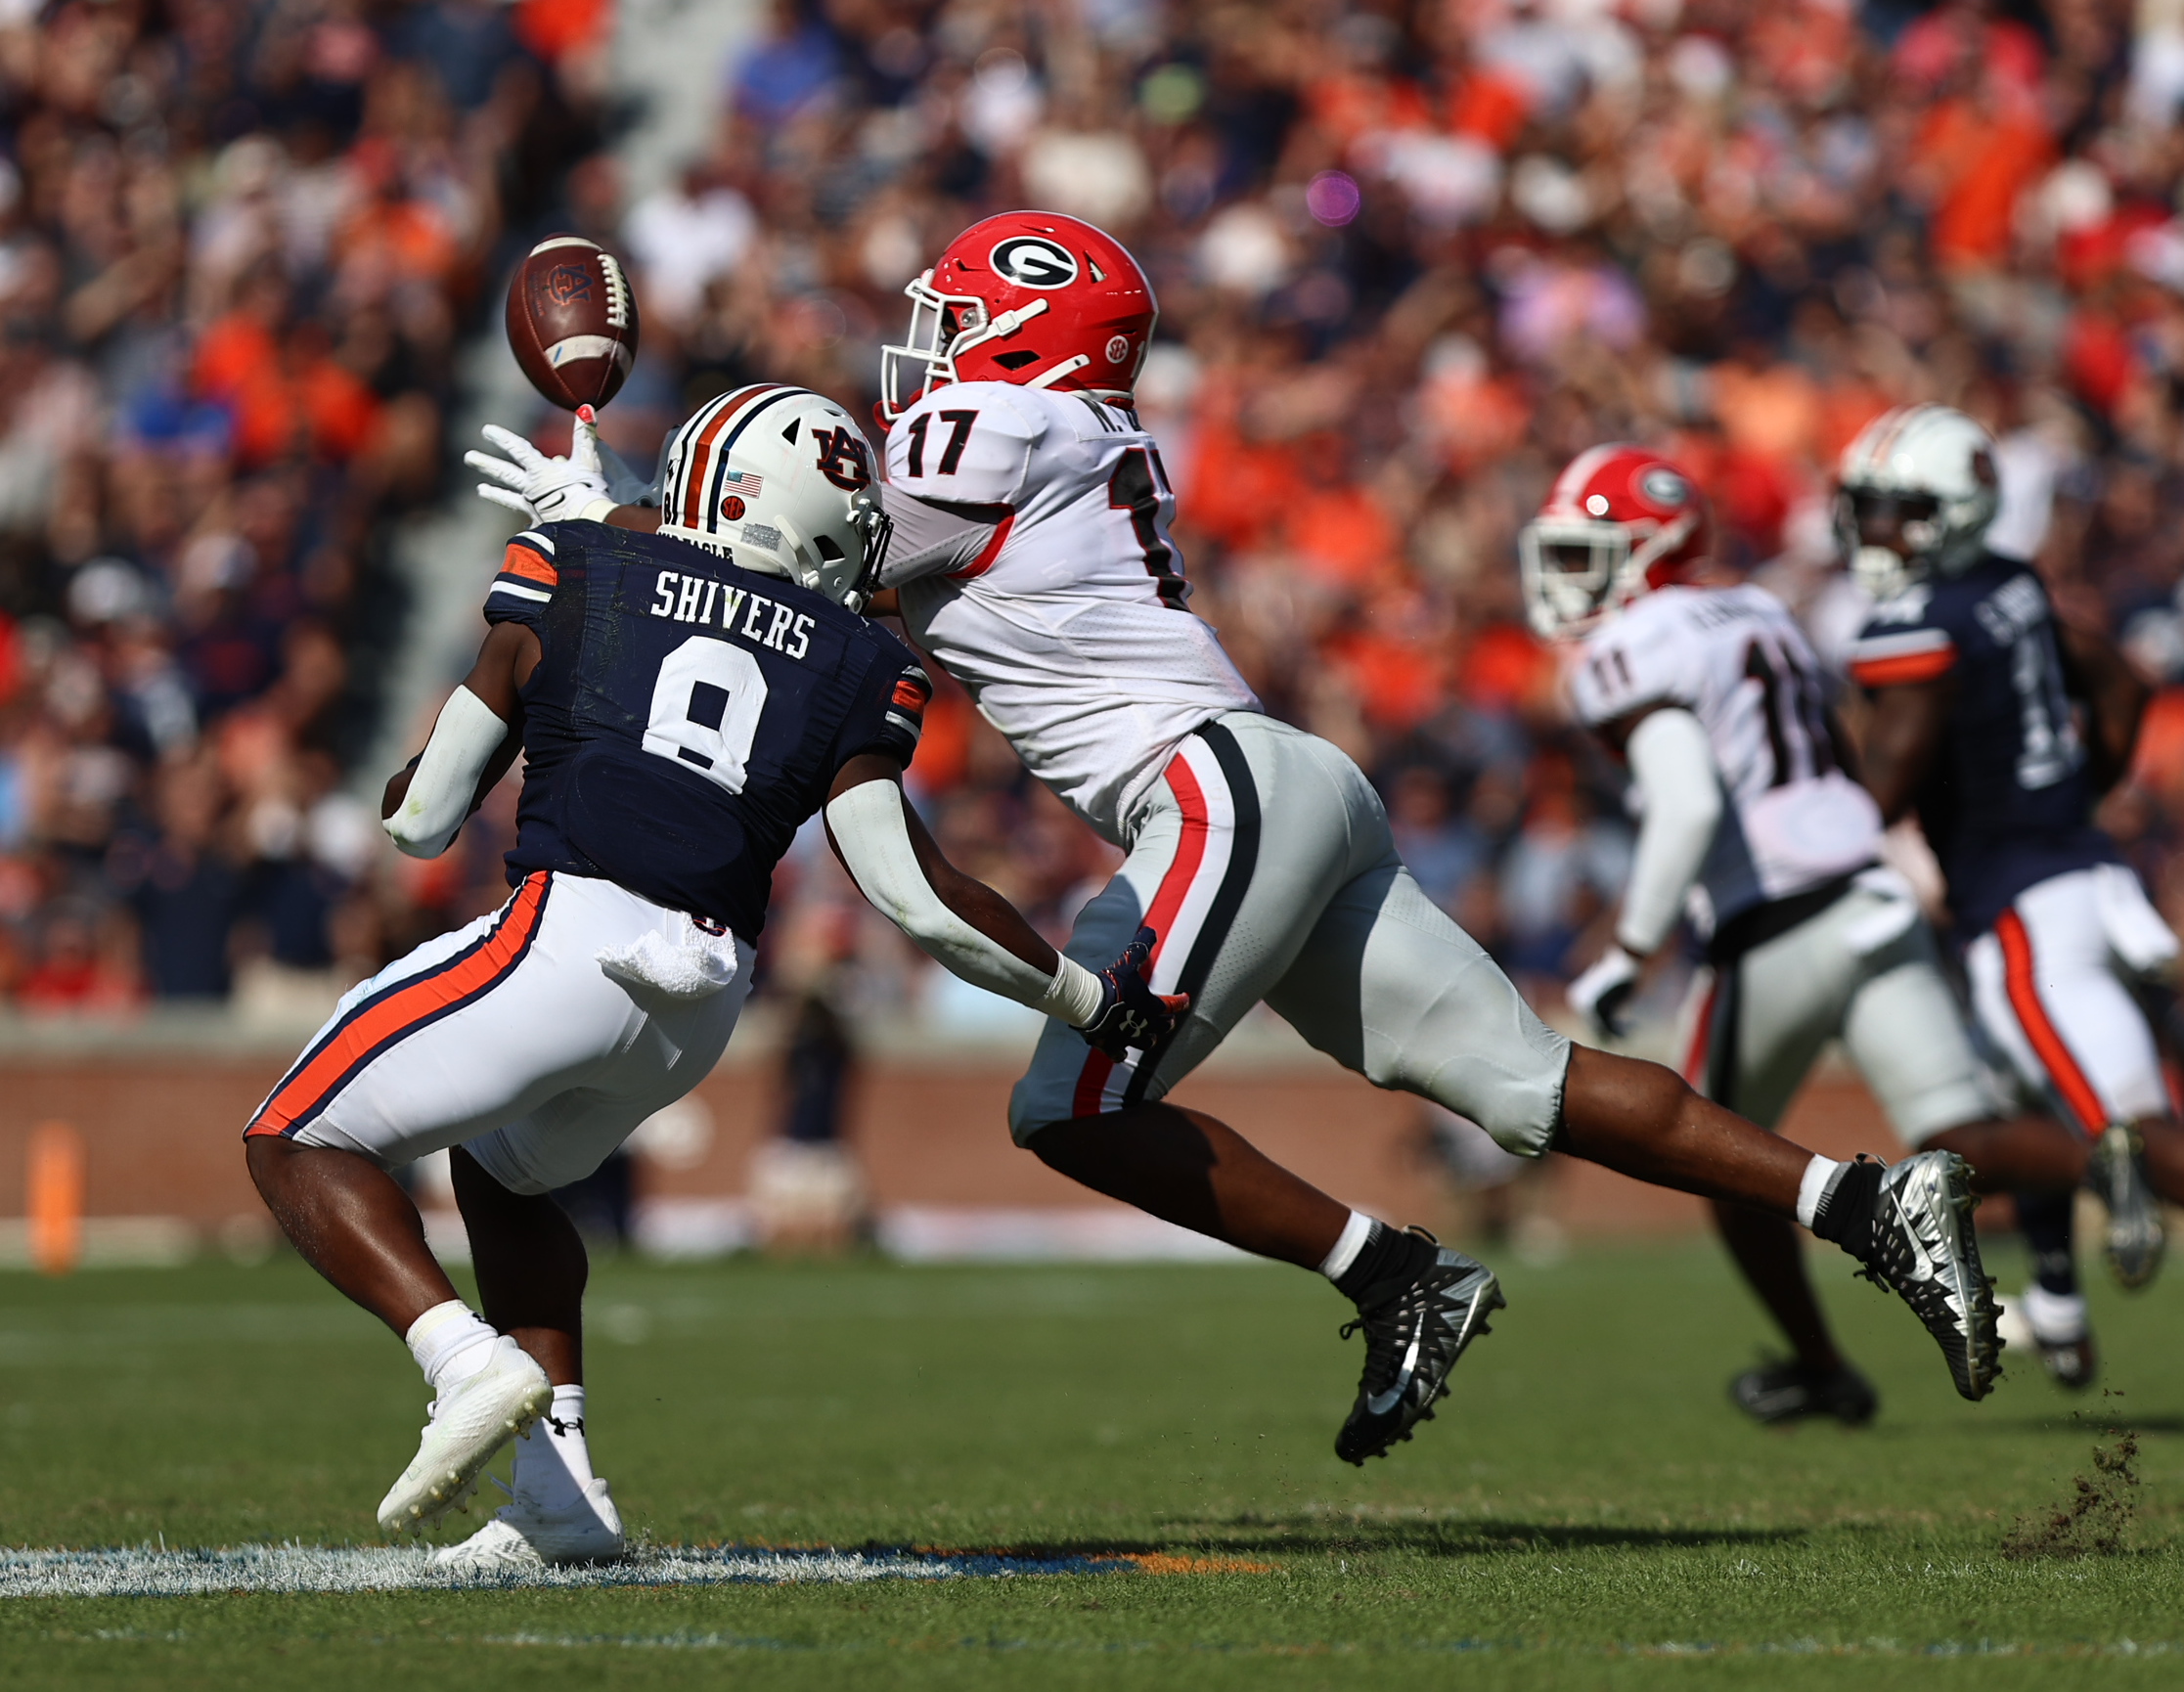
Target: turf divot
pixel 180 1574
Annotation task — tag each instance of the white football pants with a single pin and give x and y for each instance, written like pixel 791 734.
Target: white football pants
pixel 508 1038
pixel 2049 983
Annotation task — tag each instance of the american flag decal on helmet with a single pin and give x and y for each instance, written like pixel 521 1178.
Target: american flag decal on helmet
pixel 744 482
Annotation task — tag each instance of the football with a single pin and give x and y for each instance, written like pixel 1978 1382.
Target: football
pixel 572 321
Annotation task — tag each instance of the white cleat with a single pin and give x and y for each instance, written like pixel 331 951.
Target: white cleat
pixel 470 1423
pixel 521 1537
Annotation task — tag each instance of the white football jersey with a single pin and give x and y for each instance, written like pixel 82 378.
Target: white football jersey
pixel 1069 626
pixel 1736 659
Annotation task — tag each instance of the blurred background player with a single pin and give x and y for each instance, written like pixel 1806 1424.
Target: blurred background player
pixel 1751 816
pixel 1035 562
pixel 684 703
pixel 2000 726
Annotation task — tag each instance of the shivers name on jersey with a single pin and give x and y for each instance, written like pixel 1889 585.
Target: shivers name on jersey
pixel 694 598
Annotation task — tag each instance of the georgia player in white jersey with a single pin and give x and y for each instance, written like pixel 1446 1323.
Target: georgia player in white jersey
pixel 1751 819
pixel 1034 562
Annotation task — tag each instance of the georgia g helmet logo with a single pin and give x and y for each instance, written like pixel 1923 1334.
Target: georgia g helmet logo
pixel 1034 261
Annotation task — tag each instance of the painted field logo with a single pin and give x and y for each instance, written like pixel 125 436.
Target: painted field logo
pixel 1034 261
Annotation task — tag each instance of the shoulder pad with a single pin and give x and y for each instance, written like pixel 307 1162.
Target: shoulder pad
pixel 970 442
pixel 1645 657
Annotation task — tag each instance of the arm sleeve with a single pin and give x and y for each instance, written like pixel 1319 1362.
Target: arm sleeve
pixel 1681 785
pixel 525 585
pixel 935 539
pixel 868 826
pixel 464 741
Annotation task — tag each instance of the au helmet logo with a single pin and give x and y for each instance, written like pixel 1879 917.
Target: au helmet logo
pixel 841 458
pixel 1034 261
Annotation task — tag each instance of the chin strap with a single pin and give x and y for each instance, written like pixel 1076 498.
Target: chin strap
pixel 1067 367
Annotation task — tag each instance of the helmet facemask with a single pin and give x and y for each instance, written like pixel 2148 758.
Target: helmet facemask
pixel 1891 538
pixel 943 326
pixel 1577 571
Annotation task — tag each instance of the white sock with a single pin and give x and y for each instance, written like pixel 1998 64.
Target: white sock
pixel 2056 1319
pixel 1813 1187
pixel 553 1463
pixel 1348 1244
pixel 451 1343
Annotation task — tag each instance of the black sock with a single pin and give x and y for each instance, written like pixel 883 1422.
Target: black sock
pixel 2045 1219
pixel 1845 1209
pixel 1389 1254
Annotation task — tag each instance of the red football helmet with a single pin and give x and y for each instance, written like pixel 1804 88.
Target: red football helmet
pixel 1029 297
pixel 1620 522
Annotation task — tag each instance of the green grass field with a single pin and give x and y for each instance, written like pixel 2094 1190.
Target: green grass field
pixel 1587 1511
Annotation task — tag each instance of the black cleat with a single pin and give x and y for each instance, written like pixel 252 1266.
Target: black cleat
pixel 1416 1330
pixel 1786 1391
pixel 1918 1242
pixel 2115 1174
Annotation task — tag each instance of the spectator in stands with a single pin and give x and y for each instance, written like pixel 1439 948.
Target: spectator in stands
pixel 238 243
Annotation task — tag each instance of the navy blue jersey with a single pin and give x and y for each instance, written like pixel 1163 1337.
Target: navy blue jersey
pixel 2008 801
pixel 687 716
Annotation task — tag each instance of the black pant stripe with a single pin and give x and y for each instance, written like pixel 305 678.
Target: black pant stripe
pixel 1228 898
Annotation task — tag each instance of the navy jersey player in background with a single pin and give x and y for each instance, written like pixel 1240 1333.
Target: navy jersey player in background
pixel 684 701
pixel 2001 726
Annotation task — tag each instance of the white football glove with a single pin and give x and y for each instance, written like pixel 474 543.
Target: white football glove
pixel 542 489
pixel 1601 993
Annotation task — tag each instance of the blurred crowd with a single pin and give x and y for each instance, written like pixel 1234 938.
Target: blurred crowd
pixel 1414 255
pixel 240 243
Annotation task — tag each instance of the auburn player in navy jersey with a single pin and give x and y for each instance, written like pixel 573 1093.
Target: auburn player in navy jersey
pixel 685 700
pixel 2001 725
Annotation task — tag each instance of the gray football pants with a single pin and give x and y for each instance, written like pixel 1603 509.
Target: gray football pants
pixel 1264 862
pixel 1865 970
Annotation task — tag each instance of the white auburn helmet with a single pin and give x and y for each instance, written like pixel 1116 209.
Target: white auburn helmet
pixel 779 479
pixel 1930 472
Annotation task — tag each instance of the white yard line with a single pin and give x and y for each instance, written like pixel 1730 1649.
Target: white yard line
pixel 147 1573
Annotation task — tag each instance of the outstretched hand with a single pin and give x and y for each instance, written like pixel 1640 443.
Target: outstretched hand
pixel 539 488
pixel 1131 1013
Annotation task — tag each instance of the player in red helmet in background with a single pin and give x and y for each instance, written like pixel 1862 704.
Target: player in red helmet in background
pixel 1752 818
pixel 1033 559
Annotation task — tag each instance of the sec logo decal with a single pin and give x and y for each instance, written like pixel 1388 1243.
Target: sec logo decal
pixel 731 507
pixel 1034 261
